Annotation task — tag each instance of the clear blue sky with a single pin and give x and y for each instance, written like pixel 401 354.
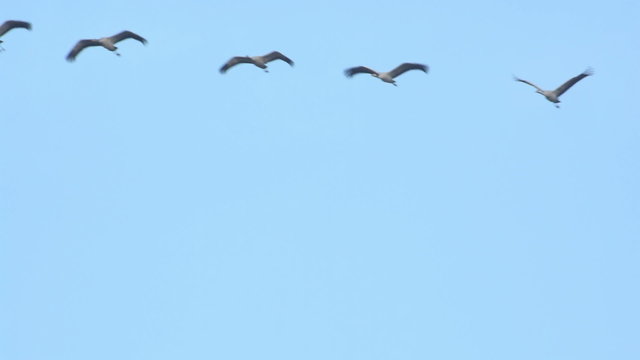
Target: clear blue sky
pixel 152 208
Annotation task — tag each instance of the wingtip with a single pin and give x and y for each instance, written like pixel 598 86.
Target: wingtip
pixel 71 57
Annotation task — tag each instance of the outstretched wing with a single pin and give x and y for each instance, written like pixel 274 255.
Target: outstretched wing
pixel 235 61
pixel 359 70
pixel 527 82
pixel 567 85
pixel 12 24
pixel 127 35
pixel 276 55
pixel 402 68
pixel 80 46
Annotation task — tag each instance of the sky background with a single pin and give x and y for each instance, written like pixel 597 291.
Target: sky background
pixel 152 208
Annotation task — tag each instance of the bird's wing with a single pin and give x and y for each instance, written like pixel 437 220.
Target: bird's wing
pixel 527 82
pixel 235 61
pixel 276 55
pixel 564 87
pixel 359 70
pixel 402 68
pixel 12 24
pixel 127 35
pixel 80 46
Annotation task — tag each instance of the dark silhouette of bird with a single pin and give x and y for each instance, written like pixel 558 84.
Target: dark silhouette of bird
pixel 553 95
pixel 12 24
pixel 259 61
pixel 386 76
pixel 106 42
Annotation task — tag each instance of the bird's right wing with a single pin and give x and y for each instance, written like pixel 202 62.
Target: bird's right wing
pixel 127 35
pixel 79 47
pixel 276 55
pixel 12 24
pixel 402 68
pixel 234 61
pixel 359 70
pixel 527 82
pixel 564 87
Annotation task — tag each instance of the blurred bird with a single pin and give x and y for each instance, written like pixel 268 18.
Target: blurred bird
pixel 386 76
pixel 259 61
pixel 12 24
pixel 555 94
pixel 106 42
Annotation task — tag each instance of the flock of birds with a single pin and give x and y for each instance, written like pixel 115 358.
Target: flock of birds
pixel 109 43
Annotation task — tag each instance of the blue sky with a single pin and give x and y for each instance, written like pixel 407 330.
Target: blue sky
pixel 152 208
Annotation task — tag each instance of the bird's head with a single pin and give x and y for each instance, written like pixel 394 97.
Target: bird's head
pixel 540 92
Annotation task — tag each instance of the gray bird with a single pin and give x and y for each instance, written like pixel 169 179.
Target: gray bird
pixel 106 42
pixel 12 24
pixel 553 95
pixel 387 77
pixel 259 61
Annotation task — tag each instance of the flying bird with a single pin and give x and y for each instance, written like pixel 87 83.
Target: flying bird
pixel 386 76
pixel 13 24
pixel 555 94
pixel 106 42
pixel 259 61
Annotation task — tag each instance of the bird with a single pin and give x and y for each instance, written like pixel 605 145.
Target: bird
pixel 106 42
pixel 259 61
pixel 387 77
pixel 553 95
pixel 12 24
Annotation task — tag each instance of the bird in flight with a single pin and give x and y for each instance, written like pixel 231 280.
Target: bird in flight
pixel 553 95
pixel 386 76
pixel 106 42
pixel 259 61
pixel 12 24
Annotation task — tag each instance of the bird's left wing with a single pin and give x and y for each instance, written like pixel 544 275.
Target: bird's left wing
pixel 527 82
pixel 234 61
pixel 359 70
pixel 12 24
pixel 80 46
